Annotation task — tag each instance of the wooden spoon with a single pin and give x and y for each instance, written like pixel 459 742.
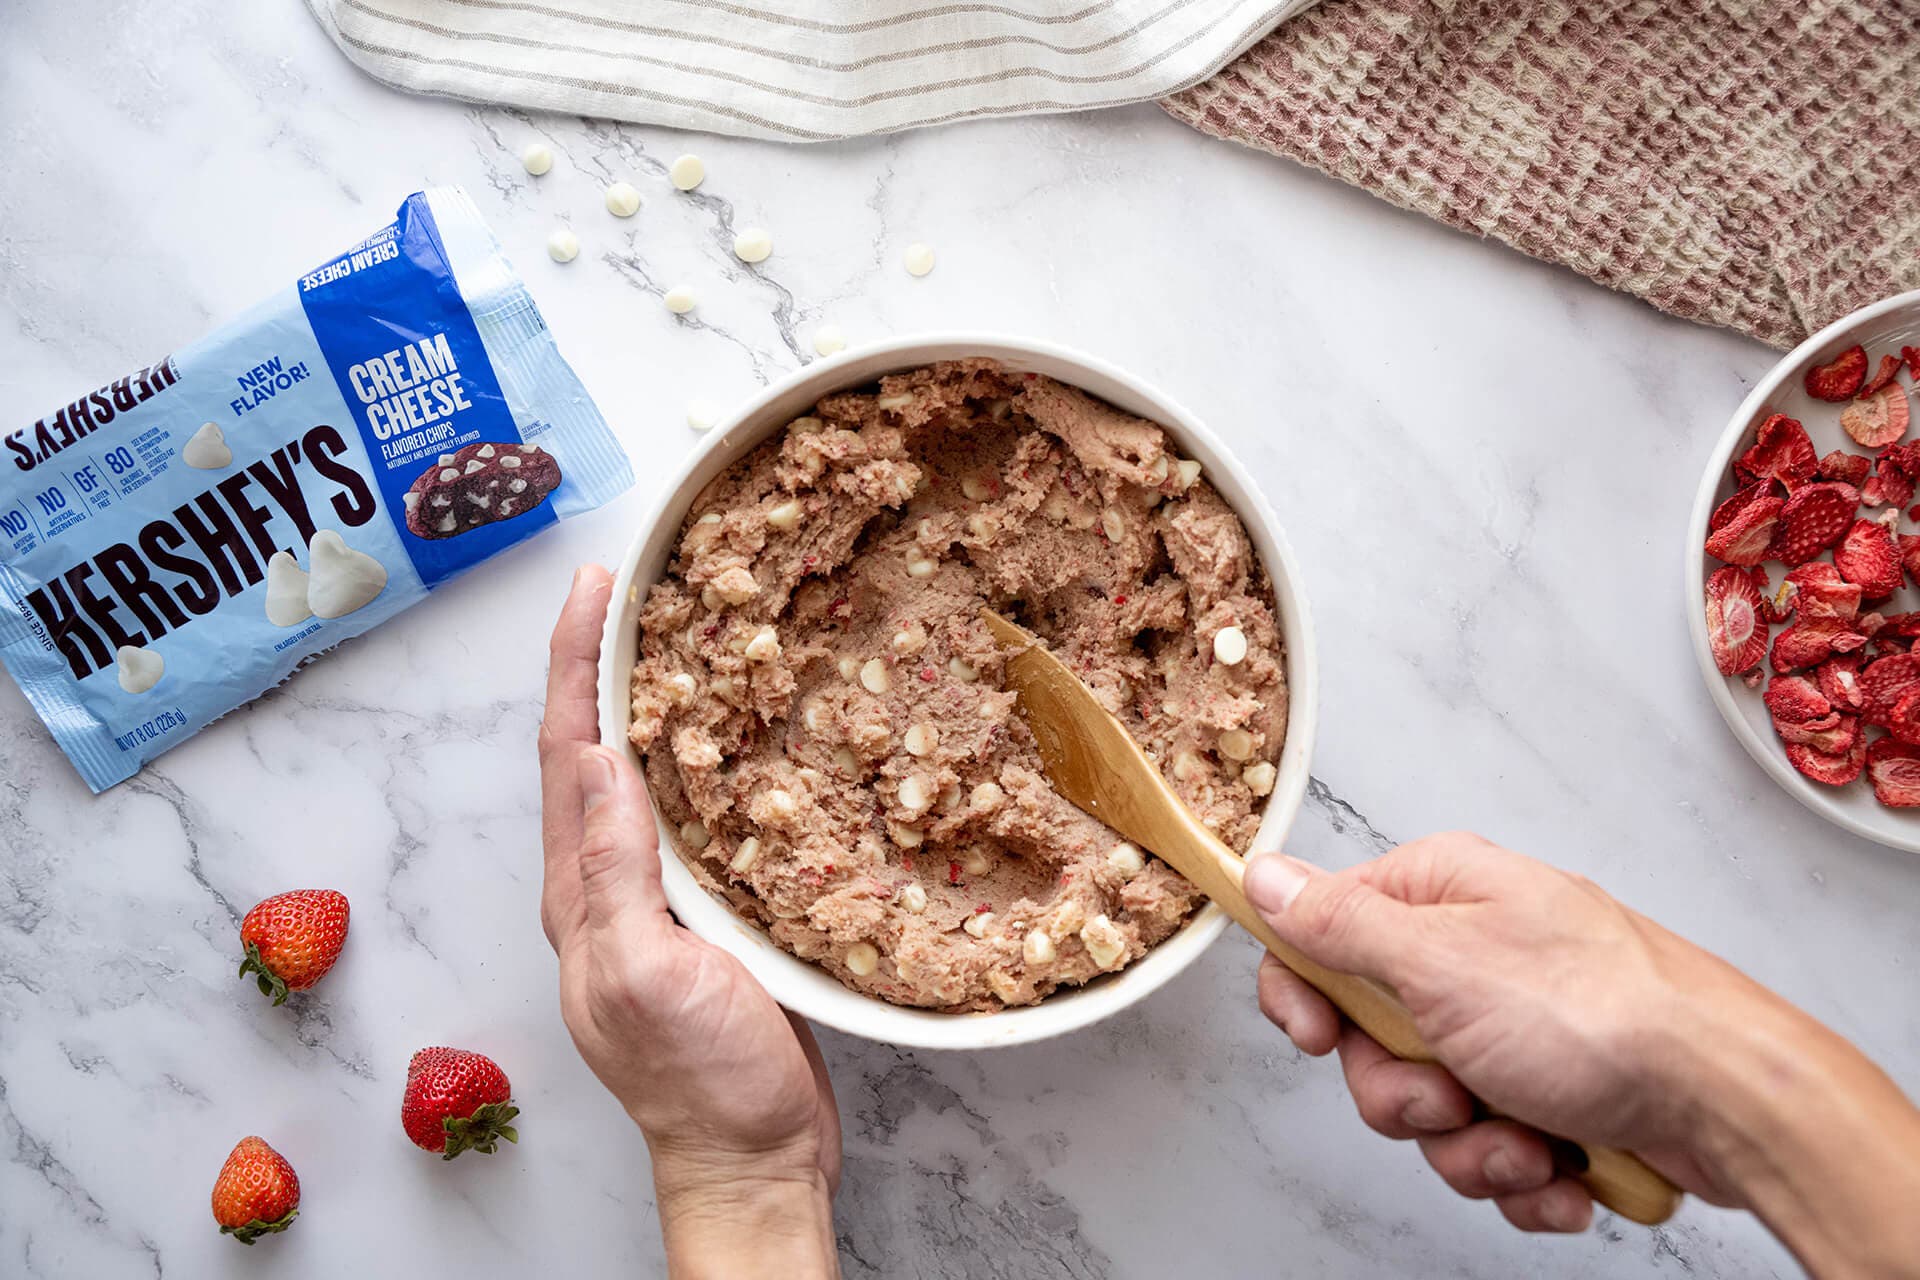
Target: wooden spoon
pixel 1093 762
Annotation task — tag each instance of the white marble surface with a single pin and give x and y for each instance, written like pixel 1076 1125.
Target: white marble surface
pixel 1484 464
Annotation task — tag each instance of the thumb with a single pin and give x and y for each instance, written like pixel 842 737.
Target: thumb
pixel 619 847
pixel 1335 918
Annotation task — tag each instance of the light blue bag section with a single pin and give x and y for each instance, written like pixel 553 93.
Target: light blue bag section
pixel 334 397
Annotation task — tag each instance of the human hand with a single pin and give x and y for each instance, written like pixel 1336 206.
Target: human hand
pixel 729 1089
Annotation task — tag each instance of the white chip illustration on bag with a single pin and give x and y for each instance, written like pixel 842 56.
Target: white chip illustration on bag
pixel 207 450
pixel 341 579
pixel 139 669
pixel 286 591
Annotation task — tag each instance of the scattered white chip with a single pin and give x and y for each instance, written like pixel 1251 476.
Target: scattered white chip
pixel 745 856
pixel 622 200
pixel 341 579
pixel 687 172
pixel 753 245
pixel 1260 778
pixel 1230 646
pixel 537 158
pixel 702 414
pixel 1125 860
pixel 978 923
pixel 1104 941
pixel 563 246
pixel 207 449
pixel 286 591
pixel 680 299
pixel 1236 744
pixel 694 835
pixel 914 898
pixel 862 959
pixel 139 669
pixel 918 259
pixel 828 339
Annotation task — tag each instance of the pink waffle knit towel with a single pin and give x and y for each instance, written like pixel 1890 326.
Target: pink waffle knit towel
pixel 1747 163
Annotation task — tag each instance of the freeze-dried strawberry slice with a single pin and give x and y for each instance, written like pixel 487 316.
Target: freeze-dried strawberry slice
pixel 1903 626
pixel 1882 377
pixel 1879 419
pixel 1781 451
pixel 1908 546
pixel 1813 519
pixel 1903 722
pixel 1840 683
pixel 1889 487
pixel 1729 510
pixel 1884 681
pixel 1748 534
pixel 1734 628
pixel 1834 737
pixel 1894 770
pixel 1797 700
pixel 1839 380
pixel 1829 770
pixel 1827 606
pixel 1912 356
pixel 1775 606
pixel 1852 468
pixel 1867 558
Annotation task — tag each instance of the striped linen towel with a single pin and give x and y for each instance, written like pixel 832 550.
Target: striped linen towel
pixel 798 70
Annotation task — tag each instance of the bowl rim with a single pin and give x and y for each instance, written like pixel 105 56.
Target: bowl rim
pixel 797 984
pixel 1763 750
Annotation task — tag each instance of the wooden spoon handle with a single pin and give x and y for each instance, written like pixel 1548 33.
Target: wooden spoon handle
pixel 1618 1179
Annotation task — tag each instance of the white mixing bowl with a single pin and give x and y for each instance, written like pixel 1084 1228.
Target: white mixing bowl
pixel 811 991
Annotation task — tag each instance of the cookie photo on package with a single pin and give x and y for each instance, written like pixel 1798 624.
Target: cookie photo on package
pixel 179 541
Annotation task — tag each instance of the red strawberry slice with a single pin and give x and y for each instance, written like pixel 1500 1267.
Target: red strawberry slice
pixel 1734 628
pixel 1851 468
pixel 1827 607
pixel 1839 380
pixel 1829 770
pixel 1840 683
pixel 1909 548
pixel 1833 739
pixel 1894 769
pixel 1867 558
pixel 1813 519
pixel 1888 488
pixel 1728 511
pixel 1884 681
pixel 1749 533
pixel 1882 377
pixel 1912 356
pixel 1796 700
pixel 1903 722
pixel 1879 419
pixel 1775 606
pixel 1781 452
pixel 1904 626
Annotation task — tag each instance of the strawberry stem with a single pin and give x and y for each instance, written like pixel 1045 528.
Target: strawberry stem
pixel 481 1130
pixel 254 1230
pixel 271 984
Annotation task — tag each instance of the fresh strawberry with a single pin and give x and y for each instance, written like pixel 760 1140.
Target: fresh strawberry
pixel 1813 519
pixel 1894 769
pixel 1882 377
pixel 1878 420
pixel 257 1192
pixel 1866 558
pixel 1850 468
pixel 1829 770
pixel 1839 380
pixel 292 939
pixel 457 1100
pixel 1884 681
pixel 1840 683
pixel 1747 531
pixel 1781 451
pixel 1734 629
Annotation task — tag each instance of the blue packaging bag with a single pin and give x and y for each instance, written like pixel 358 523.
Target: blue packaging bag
pixel 179 541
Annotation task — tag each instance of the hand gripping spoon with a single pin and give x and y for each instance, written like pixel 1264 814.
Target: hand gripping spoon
pixel 1093 762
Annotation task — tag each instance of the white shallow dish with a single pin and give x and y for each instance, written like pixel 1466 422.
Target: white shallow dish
pixel 1883 327
pixel 805 988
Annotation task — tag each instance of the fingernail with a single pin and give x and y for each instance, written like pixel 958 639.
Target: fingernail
pixel 1500 1168
pixel 1562 1213
pixel 596 779
pixel 1273 881
pixel 1421 1113
pixel 576 576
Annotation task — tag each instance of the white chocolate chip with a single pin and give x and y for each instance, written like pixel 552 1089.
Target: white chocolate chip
pixel 206 449
pixel 1160 470
pixel 846 762
pixel 920 567
pixel 889 403
pixel 537 158
pixel 765 645
pixel 1113 524
pixel 905 836
pixel 506 508
pixel 563 245
pixel 913 898
pixel 1188 767
pixel 446 459
pixel 736 585
pixel 286 591
pixel 711 517
pixel 918 259
pixel 849 668
pixel 679 299
pixel 484 451
pixel 974 488
pixel 981 528
pixel 138 669
pixel 909 640
pixel 978 923
pixel 622 200
pixel 874 677
pixel 914 795
pixel 516 486
pixel 1188 471
pixel 1104 941
pixel 510 462
pixel 529 448
pixel 1125 860
pixel 341 579
pixel 1259 778
pixel 828 339
pixel 694 835
pixel 786 515
pixel 473 465
pixel 780 806
pixel 710 598
pixel 687 172
pixel 412 500
pixel 681 687
pixel 753 245
pixel 814 716
pixel 442 500
pixel 921 739
pixel 1038 948
pixel 448 523
pixel 701 414
pixel 746 855
pixel 1230 646
pixel 964 672
pixel 722 687
pixel 987 797
pixel 1236 744
pixel 975 862
pixel 480 500
pixel 449 473
pixel 862 959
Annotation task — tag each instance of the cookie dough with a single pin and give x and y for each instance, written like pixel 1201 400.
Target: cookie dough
pixel 821 712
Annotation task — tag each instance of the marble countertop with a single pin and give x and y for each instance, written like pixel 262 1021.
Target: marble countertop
pixel 1485 466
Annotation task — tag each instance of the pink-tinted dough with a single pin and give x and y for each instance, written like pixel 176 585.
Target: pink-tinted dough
pixel 951 487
